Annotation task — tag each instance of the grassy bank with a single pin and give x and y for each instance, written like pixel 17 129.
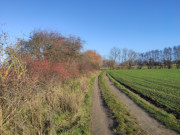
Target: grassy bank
pixel 82 126
pixel 52 108
pixel 168 119
pixel 123 118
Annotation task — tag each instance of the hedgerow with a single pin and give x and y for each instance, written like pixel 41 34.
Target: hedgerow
pixel 43 83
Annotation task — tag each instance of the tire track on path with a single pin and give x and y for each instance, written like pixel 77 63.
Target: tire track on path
pixel 101 123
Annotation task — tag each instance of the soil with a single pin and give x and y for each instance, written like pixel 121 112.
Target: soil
pixel 146 122
pixel 101 123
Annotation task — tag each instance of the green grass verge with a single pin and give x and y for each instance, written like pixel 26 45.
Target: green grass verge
pixel 123 118
pixel 167 119
pixel 82 127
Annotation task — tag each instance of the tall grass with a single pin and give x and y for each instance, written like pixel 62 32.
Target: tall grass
pixel 48 108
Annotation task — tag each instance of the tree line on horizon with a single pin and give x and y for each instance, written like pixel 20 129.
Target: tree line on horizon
pixel 124 58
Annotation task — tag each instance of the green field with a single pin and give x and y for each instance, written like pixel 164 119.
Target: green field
pixel 158 86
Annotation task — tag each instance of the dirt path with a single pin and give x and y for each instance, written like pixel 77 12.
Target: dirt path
pixel 143 118
pixel 100 120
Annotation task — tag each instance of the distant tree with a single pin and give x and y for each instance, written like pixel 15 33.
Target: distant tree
pixel 156 58
pixel 161 58
pixel 150 63
pixel 124 55
pixel 105 63
pixel 168 57
pixel 119 56
pixel 140 60
pixel 111 63
pixel 131 58
pixel 176 53
pixel 152 59
pixel 94 57
pixel 114 53
pixel 146 58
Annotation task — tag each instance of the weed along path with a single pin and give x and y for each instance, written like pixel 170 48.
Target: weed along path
pixel 101 122
pixel 146 122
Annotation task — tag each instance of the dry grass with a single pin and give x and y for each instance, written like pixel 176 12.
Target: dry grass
pixel 43 109
pixel 41 96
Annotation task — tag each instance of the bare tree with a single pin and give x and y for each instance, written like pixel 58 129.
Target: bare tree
pixel 110 63
pixel 131 58
pixel 140 60
pixel 176 53
pixel 119 56
pixel 168 57
pixel 161 57
pixel 124 55
pixel 114 53
pixel 156 58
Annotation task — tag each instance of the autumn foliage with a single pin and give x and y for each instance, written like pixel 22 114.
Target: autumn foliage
pixel 53 55
pixel 45 56
pixel 37 81
pixel 94 57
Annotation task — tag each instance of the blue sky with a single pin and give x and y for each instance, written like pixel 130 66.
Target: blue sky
pixel 140 25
